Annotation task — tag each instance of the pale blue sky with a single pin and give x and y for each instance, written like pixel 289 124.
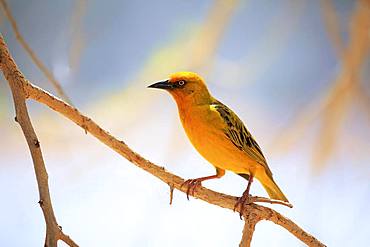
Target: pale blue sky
pixel 274 58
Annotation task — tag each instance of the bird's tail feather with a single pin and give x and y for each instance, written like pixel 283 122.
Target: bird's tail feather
pixel 270 186
pixel 273 190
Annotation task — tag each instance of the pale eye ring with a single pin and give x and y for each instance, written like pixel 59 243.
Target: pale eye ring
pixel 181 83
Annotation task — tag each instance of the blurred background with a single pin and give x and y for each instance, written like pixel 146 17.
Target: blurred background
pixel 296 72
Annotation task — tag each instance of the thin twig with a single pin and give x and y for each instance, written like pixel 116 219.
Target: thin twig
pixel 57 86
pixel 66 239
pixel 254 199
pixel 171 193
pixel 16 82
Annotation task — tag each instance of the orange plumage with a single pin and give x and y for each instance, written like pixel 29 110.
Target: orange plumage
pixel 218 134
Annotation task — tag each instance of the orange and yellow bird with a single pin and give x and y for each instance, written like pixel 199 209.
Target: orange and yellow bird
pixel 218 135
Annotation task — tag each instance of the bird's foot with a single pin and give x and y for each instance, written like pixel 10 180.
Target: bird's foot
pixel 191 184
pixel 241 202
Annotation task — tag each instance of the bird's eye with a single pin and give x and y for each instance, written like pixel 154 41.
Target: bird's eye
pixel 181 83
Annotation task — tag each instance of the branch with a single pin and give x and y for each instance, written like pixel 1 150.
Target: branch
pixel 331 22
pixel 15 79
pixel 78 42
pixel 250 224
pixel 57 86
pixel 212 197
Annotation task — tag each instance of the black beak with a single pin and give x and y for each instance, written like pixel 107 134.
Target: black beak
pixel 162 85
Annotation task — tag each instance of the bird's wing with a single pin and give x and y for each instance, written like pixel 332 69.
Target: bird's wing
pixel 238 134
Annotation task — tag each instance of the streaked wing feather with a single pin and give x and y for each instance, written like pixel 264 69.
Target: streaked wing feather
pixel 239 135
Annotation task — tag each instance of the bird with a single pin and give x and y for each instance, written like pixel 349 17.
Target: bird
pixel 219 135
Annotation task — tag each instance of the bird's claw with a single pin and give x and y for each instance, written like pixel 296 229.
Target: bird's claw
pixel 241 202
pixel 191 184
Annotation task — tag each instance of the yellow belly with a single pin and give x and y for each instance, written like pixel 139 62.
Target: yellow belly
pixel 205 131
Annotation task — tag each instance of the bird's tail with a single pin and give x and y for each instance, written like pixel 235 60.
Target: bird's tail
pixel 273 189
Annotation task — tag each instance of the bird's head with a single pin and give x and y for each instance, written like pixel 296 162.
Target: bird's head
pixel 185 87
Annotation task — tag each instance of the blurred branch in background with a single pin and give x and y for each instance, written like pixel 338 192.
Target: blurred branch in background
pixel 2 20
pixel 274 40
pixel 331 23
pixel 77 34
pixel 22 90
pixel 203 45
pixel 334 107
pixel 57 86
pixel 334 32
pixel 189 49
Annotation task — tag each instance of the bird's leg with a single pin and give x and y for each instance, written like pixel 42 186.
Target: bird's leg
pixel 193 183
pixel 244 198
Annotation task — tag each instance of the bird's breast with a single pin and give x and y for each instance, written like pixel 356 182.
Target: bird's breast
pixel 205 130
